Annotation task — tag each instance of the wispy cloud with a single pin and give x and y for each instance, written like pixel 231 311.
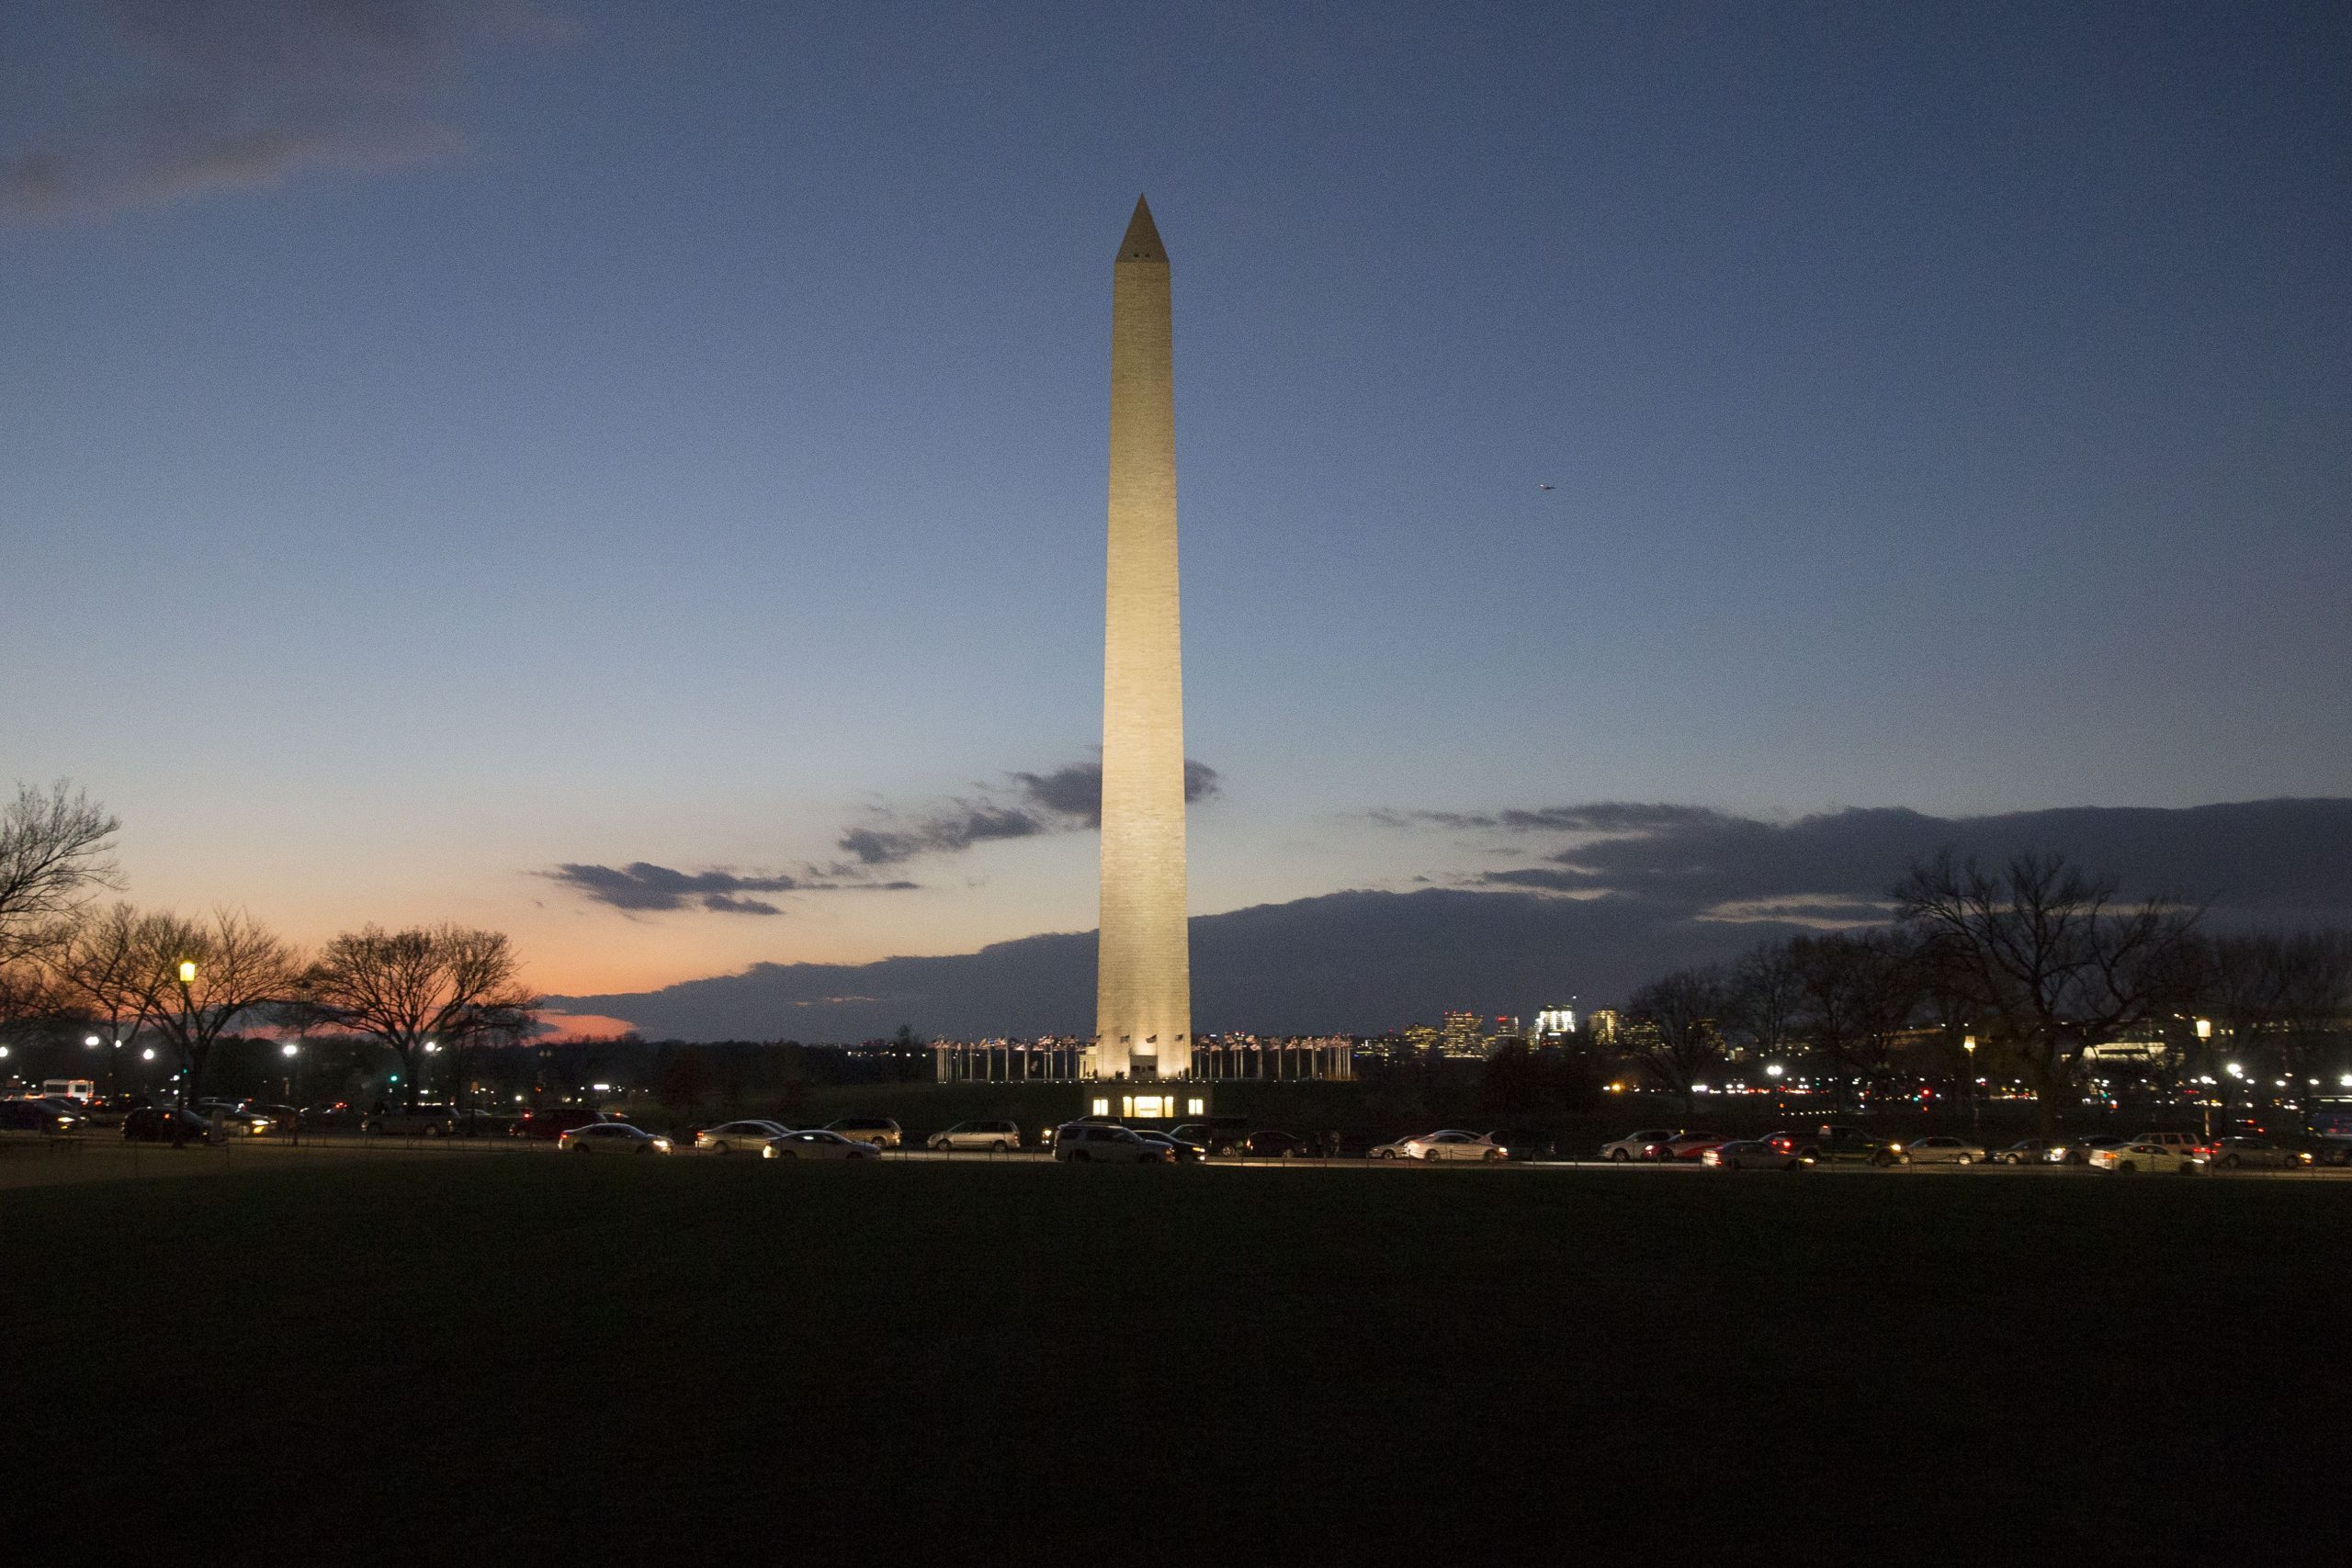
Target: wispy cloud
pixel 1067 799
pixel 644 886
pixel 1026 804
pixel 128 102
pixel 1836 866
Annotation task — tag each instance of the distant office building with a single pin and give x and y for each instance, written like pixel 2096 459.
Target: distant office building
pixel 1463 1035
pixel 1603 1026
pixel 1555 1023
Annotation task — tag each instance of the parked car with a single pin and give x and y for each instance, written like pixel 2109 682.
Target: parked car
pixel 1834 1143
pixel 2025 1151
pixel 152 1125
pixel 341 1117
pixel 1691 1145
pixel 483 1125
pixel 880 1131
pixel 1648 1144
pixel 240 1120
pixel 1526 1143
pixel 1452 1144
pixel 1093 1143
pixel 2078 1150
pixel 994 1136
pixel 738 1137
pixel 76 1112
pixel 1749 1154
pixel 1184 1153
pixel 1218 1134
pixel 1272 1143
pixel 419 1121
pixel 35 1116
pixel 612 1138
pixel 555 1121
pixel 2128 1157
pixel 2261 1153
pixel 1939 1151
pixel 2187 1144
pixel 819 1143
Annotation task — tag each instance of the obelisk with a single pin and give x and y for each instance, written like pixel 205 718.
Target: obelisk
pixel 1143 1010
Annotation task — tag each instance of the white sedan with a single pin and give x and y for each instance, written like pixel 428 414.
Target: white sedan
pixel 1941 1151
pixel 1452 1144
pixel 730 1136
pixel 2130 1157
pixel 613 1138
pixel 815 1143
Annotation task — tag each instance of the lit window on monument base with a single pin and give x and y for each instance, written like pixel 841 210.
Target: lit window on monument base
pixel 1149 1106
pixel 1101 1107
pixel 1196 1108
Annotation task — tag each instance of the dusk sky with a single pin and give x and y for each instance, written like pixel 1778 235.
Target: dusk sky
pixel 446 445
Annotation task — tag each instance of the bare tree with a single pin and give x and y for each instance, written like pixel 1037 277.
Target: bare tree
pixel 444 985
pixel 1673 1029
pixel 234 966
pixel 1761 1008
pixel 1858 992
pixel 102 965
pixel 55 848
pixel 2050 962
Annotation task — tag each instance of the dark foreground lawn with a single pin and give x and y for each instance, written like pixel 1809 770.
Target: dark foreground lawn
pixel 477 1359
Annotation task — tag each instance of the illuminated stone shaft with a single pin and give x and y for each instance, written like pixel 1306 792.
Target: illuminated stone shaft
pixel 1144 984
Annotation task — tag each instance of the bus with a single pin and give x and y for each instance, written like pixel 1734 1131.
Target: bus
pixel 82 1089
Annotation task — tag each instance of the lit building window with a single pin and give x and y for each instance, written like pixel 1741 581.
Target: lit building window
pixel 1195 1107
pixel 1101 1107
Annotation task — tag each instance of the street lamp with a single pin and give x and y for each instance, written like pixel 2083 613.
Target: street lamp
pixel 1975 1105
pixel 292 1051
pixel 90 1041
pixel 188 1015
pixel 2204 1036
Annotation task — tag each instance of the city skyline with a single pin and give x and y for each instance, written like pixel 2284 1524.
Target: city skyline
pixel 547 474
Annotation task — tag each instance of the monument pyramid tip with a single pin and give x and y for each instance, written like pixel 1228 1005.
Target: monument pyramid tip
pixel 1142 243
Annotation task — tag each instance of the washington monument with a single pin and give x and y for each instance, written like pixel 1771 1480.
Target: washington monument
pixel 1143 1000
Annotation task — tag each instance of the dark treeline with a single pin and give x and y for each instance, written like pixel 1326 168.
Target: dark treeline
pixel 2012 973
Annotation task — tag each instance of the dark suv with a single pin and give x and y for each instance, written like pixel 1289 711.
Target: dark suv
pixel 1835 1143
pixel 412 1122
pixel 554 1121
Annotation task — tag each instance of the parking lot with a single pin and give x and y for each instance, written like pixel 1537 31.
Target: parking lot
pixel 30 1160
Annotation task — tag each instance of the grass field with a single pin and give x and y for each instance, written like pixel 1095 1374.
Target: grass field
pixel 499 1357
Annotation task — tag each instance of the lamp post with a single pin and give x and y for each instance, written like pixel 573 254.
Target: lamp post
pixel 2204 1036
pixel 1975 1103
pixel 293 1054
pixel 187 1025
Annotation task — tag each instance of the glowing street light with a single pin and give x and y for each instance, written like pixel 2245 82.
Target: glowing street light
pixel 2204 1029
pixel 148 1054
pixel 90 1043
pixel 1774 1070
pixel 187 971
